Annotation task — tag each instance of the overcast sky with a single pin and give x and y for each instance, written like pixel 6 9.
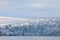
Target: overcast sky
pixel 30 8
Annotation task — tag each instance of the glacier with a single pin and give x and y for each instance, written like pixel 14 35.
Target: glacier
pixel 32 27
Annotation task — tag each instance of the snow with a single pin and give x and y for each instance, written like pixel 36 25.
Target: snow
pixel 28 38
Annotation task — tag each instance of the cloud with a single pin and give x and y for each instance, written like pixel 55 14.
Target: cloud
pixel 11 20
pixel 55 1
pixel 43 4
pixel 8 20
pixel 29 8
pixel 4 3
pixel 35 5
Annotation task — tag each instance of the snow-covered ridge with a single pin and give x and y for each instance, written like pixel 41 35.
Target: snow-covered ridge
pixel 28 21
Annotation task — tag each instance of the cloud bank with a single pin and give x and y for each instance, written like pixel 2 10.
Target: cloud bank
pixel 30 8
pixel 36 5
pixel 8 20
